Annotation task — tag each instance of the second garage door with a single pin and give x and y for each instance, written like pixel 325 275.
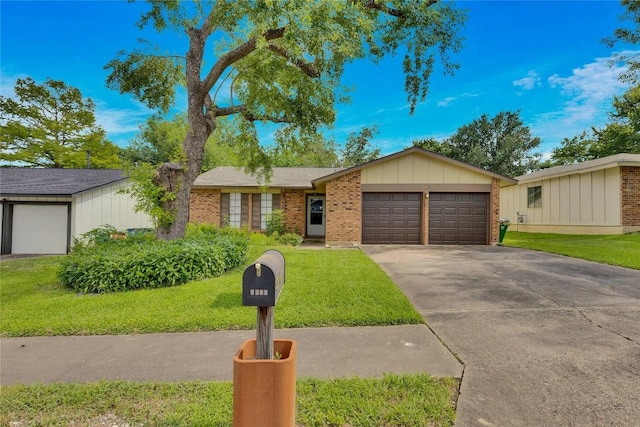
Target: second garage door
pixel 391 218
pixel 458 218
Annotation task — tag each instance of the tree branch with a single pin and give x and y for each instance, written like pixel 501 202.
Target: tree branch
pixel 380 6
pixel 308 68
pixel 242 109
pixel 235 55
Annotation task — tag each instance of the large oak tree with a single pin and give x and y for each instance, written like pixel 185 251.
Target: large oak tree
pixel 275 61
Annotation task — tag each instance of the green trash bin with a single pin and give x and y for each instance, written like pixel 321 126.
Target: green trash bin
pixel 504 225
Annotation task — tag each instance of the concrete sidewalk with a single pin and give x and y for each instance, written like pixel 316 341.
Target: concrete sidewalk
pixel 208 356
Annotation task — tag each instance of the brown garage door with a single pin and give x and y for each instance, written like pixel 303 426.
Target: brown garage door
pixel 389 218
pixel 458 218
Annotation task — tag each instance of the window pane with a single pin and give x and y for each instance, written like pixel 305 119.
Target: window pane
pixel 265 209
pixel 534 197
pixel 315 217
pixel 235 209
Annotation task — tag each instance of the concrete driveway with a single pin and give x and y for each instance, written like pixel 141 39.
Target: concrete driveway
pixel 545 340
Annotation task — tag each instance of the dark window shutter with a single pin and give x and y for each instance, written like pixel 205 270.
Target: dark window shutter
pixel 224 208
pixel 244 208
pixel 255 212
pixel 275 202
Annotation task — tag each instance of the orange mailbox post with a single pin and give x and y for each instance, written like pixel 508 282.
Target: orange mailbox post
pixel 264 369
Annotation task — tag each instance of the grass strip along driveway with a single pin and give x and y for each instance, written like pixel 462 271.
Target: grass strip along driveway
pixel 622 250
pixel 405 400
pixel 323 288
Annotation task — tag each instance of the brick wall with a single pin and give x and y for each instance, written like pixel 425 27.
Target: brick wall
pixel 425 219
pixel 204 206
pixel 344 210
pixel 630 196
pixel 293 204
pixel 494 212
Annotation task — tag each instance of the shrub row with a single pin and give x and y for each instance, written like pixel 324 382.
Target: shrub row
pixel 129 264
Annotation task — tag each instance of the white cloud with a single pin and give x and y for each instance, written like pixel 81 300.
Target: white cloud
pixel 121 121
pixel 589 89
pixel 527 83
pixel 450 99
pixel 587 93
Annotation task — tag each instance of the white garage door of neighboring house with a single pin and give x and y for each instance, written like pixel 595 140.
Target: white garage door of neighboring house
pixel 40 229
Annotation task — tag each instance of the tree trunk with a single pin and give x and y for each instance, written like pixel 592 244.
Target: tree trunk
pixel 193 145
pixel 182 180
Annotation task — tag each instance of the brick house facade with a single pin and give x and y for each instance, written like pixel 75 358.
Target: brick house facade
pixel 344 209
pixel 334 198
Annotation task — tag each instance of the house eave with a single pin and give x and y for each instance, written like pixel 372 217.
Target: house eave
pixel 576 171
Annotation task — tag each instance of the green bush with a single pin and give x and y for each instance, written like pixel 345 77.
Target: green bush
pixel 140 263
pixel 291 239
pixel 108 235
pixel 275 222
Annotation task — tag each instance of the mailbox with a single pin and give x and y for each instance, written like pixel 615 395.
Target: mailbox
pixel 262 281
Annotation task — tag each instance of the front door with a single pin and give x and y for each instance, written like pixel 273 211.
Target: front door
pixel 315 215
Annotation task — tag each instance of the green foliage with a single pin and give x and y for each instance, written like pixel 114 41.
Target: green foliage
pixel 149 196
pixel 629 35
pixel 572 150
pixel 501 144
pixel 159 141
pixel 52 125
pixel 290 239
pixel 276 222
pixel 128 265
pixel 622 135
pixel 151 78
pixel 395 400
pixel 97 236
pixel 108 235
pixel 357 149
pixel 305 151
pixel 433 145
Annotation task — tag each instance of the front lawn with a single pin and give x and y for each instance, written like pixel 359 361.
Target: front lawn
pixel 323 288
pixel 622 250
pixel 395 400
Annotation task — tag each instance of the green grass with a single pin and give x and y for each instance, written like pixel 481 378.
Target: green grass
pixel 323 288
pixel 406 400
pixel 622 250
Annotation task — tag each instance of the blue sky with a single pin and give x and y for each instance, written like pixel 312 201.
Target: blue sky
pixel 544 58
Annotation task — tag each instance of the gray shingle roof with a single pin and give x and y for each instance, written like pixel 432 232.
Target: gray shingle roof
pixel 54 182
pixel 622 159
pixel 230 176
